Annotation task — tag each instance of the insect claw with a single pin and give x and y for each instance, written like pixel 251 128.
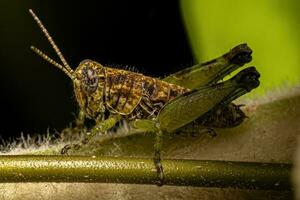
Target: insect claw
pixel 65 149
pixel 241 105
pixel 160 174
pixel 211 132
pixel 73 146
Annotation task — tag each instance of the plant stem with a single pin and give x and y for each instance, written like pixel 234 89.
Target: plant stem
pixel 244 175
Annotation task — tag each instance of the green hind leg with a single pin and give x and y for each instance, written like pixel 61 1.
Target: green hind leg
pixel 212 71
pixel 190 106
pixel 209 73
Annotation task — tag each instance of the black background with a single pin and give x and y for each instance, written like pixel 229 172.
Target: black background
pixel 35 96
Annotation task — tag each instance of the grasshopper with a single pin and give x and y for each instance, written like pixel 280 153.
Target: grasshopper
pixel 195 95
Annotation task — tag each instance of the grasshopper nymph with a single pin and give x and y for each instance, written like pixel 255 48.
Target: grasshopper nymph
pixel 195 95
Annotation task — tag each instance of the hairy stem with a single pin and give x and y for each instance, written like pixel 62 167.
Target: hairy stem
pixel 142 171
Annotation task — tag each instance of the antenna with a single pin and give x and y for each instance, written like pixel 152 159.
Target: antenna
pixel 66 67
pixel 51 61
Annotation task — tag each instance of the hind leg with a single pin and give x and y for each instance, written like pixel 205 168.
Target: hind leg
pixel 212 71
pixel 190 106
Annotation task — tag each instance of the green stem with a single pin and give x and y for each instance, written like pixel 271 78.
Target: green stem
pixel 142 171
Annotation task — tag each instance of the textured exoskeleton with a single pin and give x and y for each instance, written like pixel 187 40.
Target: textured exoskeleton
pixel 194 95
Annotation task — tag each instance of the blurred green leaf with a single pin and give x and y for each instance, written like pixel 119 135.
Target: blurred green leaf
pixel 269 27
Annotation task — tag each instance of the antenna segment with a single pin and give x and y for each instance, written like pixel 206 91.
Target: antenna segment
pixel 51 61
pixel 66 67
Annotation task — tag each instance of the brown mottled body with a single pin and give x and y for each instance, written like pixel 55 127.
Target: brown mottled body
pixel 132 95
pixel 136 96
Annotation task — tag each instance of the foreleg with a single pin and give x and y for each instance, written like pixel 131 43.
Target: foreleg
pixel 100 127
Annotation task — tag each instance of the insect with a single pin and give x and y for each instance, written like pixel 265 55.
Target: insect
pixel 195 95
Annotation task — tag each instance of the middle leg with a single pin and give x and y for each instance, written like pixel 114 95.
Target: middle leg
pixel 146 125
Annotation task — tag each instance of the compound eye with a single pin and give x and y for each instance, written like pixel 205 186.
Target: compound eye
pixel 89 80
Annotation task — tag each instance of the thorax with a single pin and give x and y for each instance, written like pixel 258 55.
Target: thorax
pixel 135 95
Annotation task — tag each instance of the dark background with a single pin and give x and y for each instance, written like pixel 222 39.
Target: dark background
pixel 35 96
